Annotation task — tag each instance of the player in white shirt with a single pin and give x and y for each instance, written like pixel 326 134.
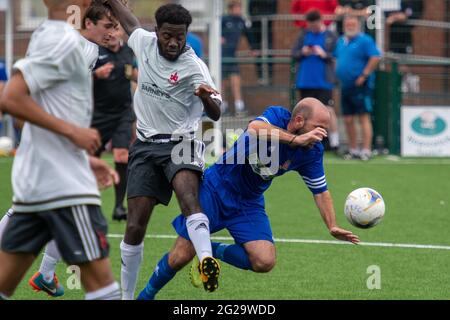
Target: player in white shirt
pixel 55 188
pixel 98 26
pixel 171 80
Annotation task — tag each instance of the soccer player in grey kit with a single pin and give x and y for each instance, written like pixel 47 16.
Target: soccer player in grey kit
pixel 171 80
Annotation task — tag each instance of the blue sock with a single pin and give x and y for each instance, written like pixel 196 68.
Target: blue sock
pixel 160 277
pixel 233 254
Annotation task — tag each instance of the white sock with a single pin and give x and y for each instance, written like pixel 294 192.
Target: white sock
pixel 131 262
pixel 366 152
pixel 50 260
pixel 334 139
pixel 111 292
pixel 239 105
pixel 198 229
pixel 4 223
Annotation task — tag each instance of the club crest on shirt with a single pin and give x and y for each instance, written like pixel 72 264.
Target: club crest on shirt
pixel 174 79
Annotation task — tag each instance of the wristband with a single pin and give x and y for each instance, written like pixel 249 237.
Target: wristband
pixel 292 140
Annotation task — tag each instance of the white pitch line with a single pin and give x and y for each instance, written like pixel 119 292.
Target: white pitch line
pixel 308 241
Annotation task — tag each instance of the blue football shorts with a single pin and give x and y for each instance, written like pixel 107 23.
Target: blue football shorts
pixel 245 220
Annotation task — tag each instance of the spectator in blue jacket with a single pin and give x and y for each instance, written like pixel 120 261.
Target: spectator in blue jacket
pixel 314 52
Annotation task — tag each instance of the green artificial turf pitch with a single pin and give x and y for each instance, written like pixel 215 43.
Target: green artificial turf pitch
pixel 417 196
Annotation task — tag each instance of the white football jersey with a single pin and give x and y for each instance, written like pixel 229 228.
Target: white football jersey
pixel 91 52
pixel 49 171
pixel 164 101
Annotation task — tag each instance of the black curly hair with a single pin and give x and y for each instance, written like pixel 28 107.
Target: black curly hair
pixel 173 14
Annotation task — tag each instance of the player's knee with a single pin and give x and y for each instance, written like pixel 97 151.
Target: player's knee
pixel 262 264
pixel 135 233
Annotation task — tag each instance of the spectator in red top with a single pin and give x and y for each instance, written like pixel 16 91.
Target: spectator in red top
pixel 325 7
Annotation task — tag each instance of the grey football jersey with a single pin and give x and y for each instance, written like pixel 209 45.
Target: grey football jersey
pixel 164 101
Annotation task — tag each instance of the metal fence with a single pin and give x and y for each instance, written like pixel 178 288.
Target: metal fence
pixel 267 77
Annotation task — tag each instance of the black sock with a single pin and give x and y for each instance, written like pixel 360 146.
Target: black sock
pixel 121 188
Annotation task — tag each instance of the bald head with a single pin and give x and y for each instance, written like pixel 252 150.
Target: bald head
pixel 308 115
pixel 310 108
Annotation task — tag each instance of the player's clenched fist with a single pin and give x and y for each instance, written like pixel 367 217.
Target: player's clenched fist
pixel 310 138
pixel 104 71
pixel 205 91
pixel 86 138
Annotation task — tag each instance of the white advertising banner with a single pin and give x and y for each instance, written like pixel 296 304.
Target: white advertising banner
pixel 425 131
pixel 3 5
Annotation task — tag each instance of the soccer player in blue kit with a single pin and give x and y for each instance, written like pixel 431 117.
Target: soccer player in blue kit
pixel 231 192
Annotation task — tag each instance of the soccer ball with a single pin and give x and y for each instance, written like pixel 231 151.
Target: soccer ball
pixel 6 146
pixel 364 208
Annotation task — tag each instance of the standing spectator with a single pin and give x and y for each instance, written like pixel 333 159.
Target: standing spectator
pixel 400 33
pixel 357 8
pixel 233 27
pixel 325 7
pixel 357 58
pixel 316 75
pixel 196 43
pixel 3 79
pixel 260 8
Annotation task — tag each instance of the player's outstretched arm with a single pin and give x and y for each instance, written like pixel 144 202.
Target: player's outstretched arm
pixel 17 101
pixel 270 132
pixel 126 18
pixel 324 202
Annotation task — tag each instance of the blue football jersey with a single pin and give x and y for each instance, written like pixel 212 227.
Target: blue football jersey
pixel 249 167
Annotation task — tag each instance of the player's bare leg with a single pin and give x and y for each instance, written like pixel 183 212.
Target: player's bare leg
pixel 13 268
pixel 132 246
pixel 258 256
pixel 181 254
pixel 262 255
pixel 186 185
pixel 96 274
